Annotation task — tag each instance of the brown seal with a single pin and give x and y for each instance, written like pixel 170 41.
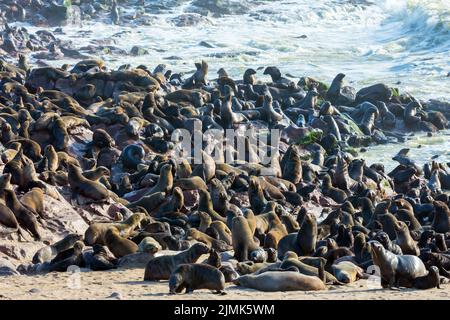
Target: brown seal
pixel 52 157
pixel 281 281
pixel 97 173
pixel 47 253
pixel 404 239
pixel 441 221
pixel 206 205
pixel 34 201
pixel 192 183
pixel 161 267
pixel 395 269
pixel 165 181
pixel 118 245
pixel 194 276
pixel 150 202
pixel 67 258
pixel 291 259
pixel 7 217
pixel 95 233
pixel 218 245
pixel 24 216
pixel 80 185
pixel 242 239
pixel 292 165
pixel 304 241
pixel 328 190
pixel 347 272
pixel 430 281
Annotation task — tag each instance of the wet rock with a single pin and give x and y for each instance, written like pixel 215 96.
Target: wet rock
pixel 374 93
pixel 189 20
pixel 220 8
pixel 138 51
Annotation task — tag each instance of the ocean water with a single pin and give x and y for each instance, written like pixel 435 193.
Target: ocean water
pixel 403 43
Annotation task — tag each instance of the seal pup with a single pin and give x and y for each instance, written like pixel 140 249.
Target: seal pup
pixel 101 259
pixel 430 281
pixel 195 276
pixel 47 253
pixel 69 257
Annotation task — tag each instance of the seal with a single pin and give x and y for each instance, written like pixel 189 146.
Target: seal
pixel 347 272
pixel 118 245
pixel 291 260
pixel 216 244
pixel 271 281
pixel 34 201
pixel 101 259
pixel 7 217
pixel 303 242
pixel 97 173
pixel 328 190
pixel 192 183
pixel 196 276
pixel 150 202
pixel 229 118
pixel 24 216
pixel 395 269
pixel 96 232
pixel 160 268
pixel 165 181
pixel 79 185
pixel 242 239
pixel 256 196
pixel 404 239
pixel 69 257
pixel 430 281
pixel 206 205
pixel 47 253
pixel 441 221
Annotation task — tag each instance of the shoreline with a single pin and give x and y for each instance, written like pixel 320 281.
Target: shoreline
pixel 103 285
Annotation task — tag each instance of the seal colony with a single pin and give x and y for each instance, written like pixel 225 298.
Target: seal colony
pixel 317 215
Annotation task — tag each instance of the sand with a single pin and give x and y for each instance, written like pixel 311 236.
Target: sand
pixel 128 284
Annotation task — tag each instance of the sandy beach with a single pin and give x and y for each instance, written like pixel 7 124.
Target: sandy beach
pixel 128 284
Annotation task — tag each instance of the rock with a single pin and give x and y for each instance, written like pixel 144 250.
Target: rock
pixel 7 268
pixel 189 20
pixel 220 8
pixel 374 93
pixel 11 250
pixel 138 51
pixel 205 44
pixel 115 295
pixel 34 290
pixel 135 260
